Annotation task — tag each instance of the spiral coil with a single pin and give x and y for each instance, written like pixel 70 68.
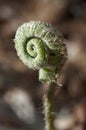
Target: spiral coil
pixel 39 45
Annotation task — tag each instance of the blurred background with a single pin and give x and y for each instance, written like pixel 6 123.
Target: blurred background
pixel 21 94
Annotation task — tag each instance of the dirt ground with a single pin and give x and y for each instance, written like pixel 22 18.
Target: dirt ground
pixel 21 93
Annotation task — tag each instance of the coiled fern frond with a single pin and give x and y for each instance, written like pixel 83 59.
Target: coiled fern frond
pixel 40 46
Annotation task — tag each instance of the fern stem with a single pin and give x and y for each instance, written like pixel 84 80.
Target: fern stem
pixel 48 107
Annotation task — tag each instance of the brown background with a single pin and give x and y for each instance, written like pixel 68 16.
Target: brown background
pixel 69 17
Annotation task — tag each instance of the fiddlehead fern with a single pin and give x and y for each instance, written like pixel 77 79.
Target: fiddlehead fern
pixel 40 46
